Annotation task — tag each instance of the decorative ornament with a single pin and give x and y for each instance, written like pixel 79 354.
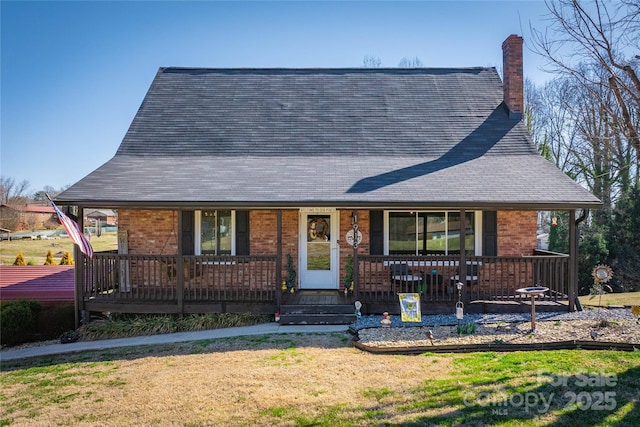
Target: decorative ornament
pixel 284 286
pixel 290 281
pixel 358 306
pixel 602 273
pixel 386 320
pixel 554 221
pixel 318 229
pixel 635 310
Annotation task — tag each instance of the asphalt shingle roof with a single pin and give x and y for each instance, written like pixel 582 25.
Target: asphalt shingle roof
pixel 336 137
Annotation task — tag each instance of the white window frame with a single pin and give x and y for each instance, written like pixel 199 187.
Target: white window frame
pixel 477 227
pixel 197 241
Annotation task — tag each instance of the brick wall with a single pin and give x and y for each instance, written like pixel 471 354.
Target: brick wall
pixel 155 232
pixel 517 232
pixel 263 226
pixel 345 248
pixel 150 232
pixel 263 229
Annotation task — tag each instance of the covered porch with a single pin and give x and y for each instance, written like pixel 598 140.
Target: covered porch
pixel 111 282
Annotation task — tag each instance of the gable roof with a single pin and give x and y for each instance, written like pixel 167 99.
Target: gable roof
pixel 336 137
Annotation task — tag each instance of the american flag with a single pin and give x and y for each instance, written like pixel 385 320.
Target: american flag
pixel 73 231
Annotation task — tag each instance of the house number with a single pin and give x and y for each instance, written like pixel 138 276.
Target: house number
pixel 350 239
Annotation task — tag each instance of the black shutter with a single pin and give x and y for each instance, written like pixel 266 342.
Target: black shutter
pixel 376 233
pixel 242 232
pixel 188 232
pixel 489 233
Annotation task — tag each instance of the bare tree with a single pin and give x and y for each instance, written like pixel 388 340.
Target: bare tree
pixel 606 37
pixel 41 196
pixel 371 61
pixel 414 62
pixel 12 192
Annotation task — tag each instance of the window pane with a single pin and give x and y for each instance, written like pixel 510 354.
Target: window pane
pixel 453 233
pixel 208 232
pixel 224 232
pixel 435 241
pixel 402 233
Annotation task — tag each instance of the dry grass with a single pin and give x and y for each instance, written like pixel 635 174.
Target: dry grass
pixel 35 251
pixel 621 299
pixel 268 380
pixel 299 380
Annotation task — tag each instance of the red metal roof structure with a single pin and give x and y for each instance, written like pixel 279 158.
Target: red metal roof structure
pixel 49 284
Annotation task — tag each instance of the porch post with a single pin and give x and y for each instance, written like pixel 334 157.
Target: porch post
pixel 462 268
pixel 355 266
pixel 573 260
pixel 180 267
pixel 278 258
pixel 79 275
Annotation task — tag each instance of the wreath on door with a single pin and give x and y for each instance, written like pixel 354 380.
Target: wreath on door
pixel 318 229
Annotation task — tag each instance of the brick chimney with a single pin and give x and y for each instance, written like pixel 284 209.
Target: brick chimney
pixel 513 79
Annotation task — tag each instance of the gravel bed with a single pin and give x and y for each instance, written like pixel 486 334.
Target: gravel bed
pixel 450 319
pixel 603 325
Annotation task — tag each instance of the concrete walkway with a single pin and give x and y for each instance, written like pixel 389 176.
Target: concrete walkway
pixel 262 329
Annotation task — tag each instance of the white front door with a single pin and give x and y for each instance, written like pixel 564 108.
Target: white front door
pixel 319 256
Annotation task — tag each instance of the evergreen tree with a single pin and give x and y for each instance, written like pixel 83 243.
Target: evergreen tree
pixel 624 241
pixel 49 260
pixel 559 234
pixel 20 260
pixel 593 250
pixel 66 259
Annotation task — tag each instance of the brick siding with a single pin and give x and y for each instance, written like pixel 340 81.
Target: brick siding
pixel 155 232
pixel 517 233
pixel 150 232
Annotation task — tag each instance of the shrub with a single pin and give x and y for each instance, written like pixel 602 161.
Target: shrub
pixel 128 325
pixel 49 260
pixel 55 320
pixel 66 259
pixel 19 259
pixel 468 328
pixel 19 320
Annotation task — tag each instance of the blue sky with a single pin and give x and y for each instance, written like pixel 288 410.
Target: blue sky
pixel 73 74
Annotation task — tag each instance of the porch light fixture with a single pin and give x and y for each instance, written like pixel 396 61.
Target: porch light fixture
pixel 554 220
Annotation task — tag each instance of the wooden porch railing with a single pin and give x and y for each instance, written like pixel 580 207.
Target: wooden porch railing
pixel 486 278
pixel 170 278
pixel 179 281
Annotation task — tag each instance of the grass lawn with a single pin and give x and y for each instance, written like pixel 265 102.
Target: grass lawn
pixel 35 251
pixel 319 380
pixel 627 298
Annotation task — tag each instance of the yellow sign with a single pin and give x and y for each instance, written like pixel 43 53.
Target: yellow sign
pixel 410 307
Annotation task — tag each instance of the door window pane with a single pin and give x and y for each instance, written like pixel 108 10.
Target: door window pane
pixel 319 242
